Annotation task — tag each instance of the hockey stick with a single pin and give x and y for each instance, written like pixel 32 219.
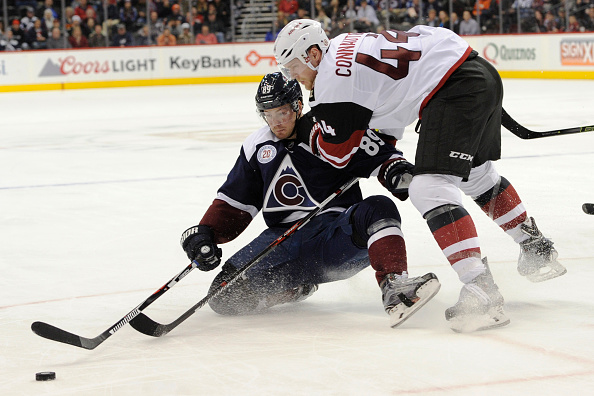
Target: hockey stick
pixel 147 326
pixel 55 334
pixel 524 133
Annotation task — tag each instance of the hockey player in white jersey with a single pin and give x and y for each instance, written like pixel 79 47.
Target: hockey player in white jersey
pixel 387 81
pixel 277 174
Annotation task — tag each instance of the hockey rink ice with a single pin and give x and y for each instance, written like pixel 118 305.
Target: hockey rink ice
pixel 96 187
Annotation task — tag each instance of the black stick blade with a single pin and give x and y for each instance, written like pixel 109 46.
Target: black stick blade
pixel 588 208
pixel 146 325
pixel 55 334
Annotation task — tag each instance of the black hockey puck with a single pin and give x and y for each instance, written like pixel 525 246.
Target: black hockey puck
pixel 45 376
pixel 588 208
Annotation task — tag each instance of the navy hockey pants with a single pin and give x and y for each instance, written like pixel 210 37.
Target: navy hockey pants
pixel 323 251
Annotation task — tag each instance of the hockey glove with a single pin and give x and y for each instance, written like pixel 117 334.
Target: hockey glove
pixel 198 243
pixel 396 175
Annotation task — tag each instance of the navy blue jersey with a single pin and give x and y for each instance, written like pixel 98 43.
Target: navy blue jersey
pixel 286 181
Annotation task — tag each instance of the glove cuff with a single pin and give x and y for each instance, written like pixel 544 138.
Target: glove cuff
pixel 198 229
pixel 386 166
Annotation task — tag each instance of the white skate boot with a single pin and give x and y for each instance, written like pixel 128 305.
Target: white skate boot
pixel 479 307
pixel 538 258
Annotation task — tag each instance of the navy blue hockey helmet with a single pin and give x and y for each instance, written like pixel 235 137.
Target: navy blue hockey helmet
pixel 275 91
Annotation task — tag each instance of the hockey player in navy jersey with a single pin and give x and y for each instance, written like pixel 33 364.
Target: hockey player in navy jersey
pixel 386 81
pixel 276 173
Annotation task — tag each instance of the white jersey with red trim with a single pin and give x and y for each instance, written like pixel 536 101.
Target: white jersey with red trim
pixel 379 81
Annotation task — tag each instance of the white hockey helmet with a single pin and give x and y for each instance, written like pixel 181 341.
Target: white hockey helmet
pixel 295 39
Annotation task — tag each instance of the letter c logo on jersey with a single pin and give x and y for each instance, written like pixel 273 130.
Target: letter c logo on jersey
pixel 266 154
pixel 286 190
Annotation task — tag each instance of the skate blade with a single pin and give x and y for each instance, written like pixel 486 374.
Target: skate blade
pixel 400 313
pixel 554 270
pixel 493 319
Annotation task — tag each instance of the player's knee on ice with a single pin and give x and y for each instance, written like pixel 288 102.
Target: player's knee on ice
pixel 371 215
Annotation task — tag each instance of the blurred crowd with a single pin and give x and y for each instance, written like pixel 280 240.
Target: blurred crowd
pixel 465 17
pixel 121 23
pixel 115 23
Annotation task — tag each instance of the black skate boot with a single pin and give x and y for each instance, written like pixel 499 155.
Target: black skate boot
pixel 403 296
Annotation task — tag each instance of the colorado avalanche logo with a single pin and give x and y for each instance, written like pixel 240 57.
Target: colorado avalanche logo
pixel 266 154
pixel 287 191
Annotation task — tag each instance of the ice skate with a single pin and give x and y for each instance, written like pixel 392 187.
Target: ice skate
pixel 538 258
pixel 403 296
pixel 480 306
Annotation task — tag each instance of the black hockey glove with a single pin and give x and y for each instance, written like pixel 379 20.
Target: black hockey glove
pixel 396 175
pixel 198 243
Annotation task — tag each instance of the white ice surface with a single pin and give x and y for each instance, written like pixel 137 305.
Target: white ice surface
pixel 96 187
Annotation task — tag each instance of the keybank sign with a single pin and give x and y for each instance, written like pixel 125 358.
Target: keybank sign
pixel 500 53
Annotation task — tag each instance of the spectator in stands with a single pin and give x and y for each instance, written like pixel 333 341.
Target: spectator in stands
pixel 83 8
pixel 18 35
pixel 185 36
pixel 574 25
pixel 202 10
pixel 36 36
pixel 164 9
pixel 432 19
pixel 339 26
pixel 469 26
pixel 413 12
pixel 205 36
pixel 113 12
pixel 48 19
pixel 175 20
pixel 526 12
pixel 97 39
pixel 455 22
pixel 142 37
pixel 166 38
pixel 122 38
pixel 69 15
pixel 27 20
pixel 551 23
pixel 77 40
pixel 194 20
pixel 288 8
pixel 587 20
pixel 482 8
pixel 129 15
pixel 431 5
pixel 88 26
pixel 77 23
pixel 273 32
pixel 8 42
pixel 444 19
pixel 324 20
pixel 350 12
pixel 56 40
pixel 561 19
pixel 366 18
pixel 334 10
pixel 47 5
pixel 539 26
pixel 223 11
pixel 215 25
pixel 156 26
